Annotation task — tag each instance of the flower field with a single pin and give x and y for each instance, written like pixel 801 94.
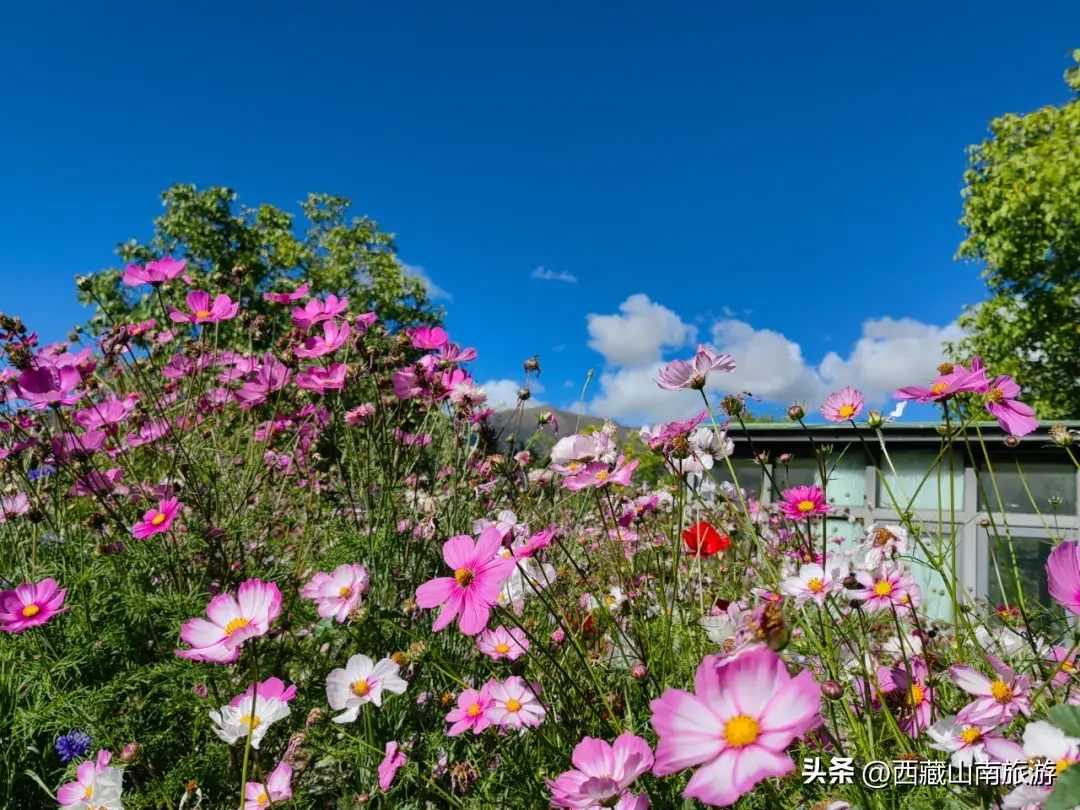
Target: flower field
pixel 315 576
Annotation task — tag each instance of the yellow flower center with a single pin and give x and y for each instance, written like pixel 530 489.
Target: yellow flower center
pixel 474 710
pixel 89 793
pixel 573 466
pixel 359 688
pixel 1061 765
pixel 464 577
pixel 815 585
pixel 882 587
pixel 263 798
pixel 806 506
pixel 601 476
pixel 903 600
pixel 251 720
pixel 970 735
pixel 345 593
pixel 915 695
pixel 610 600
pixel 235 625
pixel 996 395
pixel 882 536
pixel 502 648
pixel 741 731
pixel 30 611
pixel 513 705
pixel 1001 691
pixel 159 518
pixel 1068 666
pixel 845 411
pixel 202 313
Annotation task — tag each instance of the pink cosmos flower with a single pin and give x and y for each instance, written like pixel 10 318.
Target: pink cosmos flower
pixel 736 724
pixel 680 374
pixel 271 688
pixel 203 311
pixel 428 338
pixel 288 297
pixel 366 321
pixel 502 643
pixel 957 380
pixel 322 380
pixel 969 744
pixel 470 711
pixel 103 414
pixel 358 414
pixel 232 621
pixel 333 338
pixel 887 587
pixel 273 375
pixel 602 772
pixel 1000 396
pixel 474 588
pixel 165 269
pixel 278 788
pixel 337 594
pixel 392 762
pixel 812 583
pixel 30 605
pixel 13 505
pixel 800 503
pixel 1068 664
pixel 999 700
pixel 96 482
pixel 47 385
pixel 1063 575
pixel 180 366
pixel 157 520
pixel 843 405
pixel 600 474
pixel 317 310
pixel 96 785
pixel 514 704
pixel 914 697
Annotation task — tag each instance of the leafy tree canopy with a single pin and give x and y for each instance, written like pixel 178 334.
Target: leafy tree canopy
pixel 244 252
pixel 1022 217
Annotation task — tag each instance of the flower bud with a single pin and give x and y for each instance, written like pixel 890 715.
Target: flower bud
pixel 130 753
pixel 1011 441
pixel 874 419
pixel 639 672
pixel 524 394
pixel 832 689
pixel 532 364
pixel 796 412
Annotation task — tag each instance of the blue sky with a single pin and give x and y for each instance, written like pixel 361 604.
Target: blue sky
pixel 782 181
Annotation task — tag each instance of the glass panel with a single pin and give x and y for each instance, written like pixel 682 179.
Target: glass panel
pixel 1031 554
pixel 847 477
pixel 936 603
pixel 845 536
pixel 1045 481
pixel 747 473
pixel 909 487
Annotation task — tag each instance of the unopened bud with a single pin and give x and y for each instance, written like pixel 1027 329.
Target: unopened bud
pixel 1061 435
pixel 1011 441
pixel 639 672
pixel 796 412
pixel 874 419
pixel 524 394
pixel 533 364
pixel 832 689
pixel 130 753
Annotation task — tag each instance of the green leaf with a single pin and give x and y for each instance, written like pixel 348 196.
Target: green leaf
pixel 1067 718
pixel 1066 793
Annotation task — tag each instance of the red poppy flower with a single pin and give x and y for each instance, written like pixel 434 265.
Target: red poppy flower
pixel 703 538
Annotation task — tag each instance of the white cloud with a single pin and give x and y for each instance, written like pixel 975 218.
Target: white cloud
pixel 551 275
pixel 640 334
pixel 433 289
pixel 503 394
pixel 890 353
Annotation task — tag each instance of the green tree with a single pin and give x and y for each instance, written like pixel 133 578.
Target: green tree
pixel 244 252
pixel 1022 217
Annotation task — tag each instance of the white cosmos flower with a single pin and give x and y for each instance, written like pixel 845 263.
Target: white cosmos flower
pixel 359 682
pixel 256 715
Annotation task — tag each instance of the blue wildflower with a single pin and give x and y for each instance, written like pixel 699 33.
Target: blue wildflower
pixel 73 745
pixel 40 472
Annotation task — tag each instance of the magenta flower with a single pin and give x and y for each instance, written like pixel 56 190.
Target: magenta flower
pixel 165 269
pixel 915 698
pixel 317 310
pixel 30 605
pixel 203 310
pixel 470 711
pixel 428 338
pixel 392 762
pixel 602 772
pixel 157 520
pixel 1000 396
pixel 96 785
pixel 502 643
pixel 232 621
pixel 600 474
pixel 14 505
pixel 514 704
pixel 273 375
pixel 800 503
pixel 843 405
pixel 270 688
pixel 1063 575
pixel 736 724
pixel 278 788
pixel 288 297
pixel 474 588
pixel 337 594
pixel 321 380
pixel 999 700
pixel 46 385
pixel 890 586
pixel 958 380
pixel 680 374
pixel 103 414
pixel 333 338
